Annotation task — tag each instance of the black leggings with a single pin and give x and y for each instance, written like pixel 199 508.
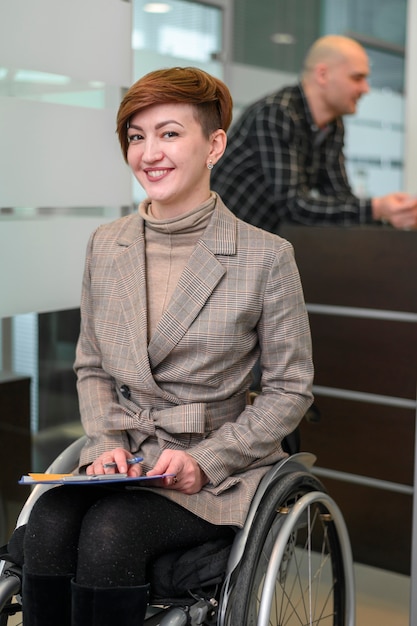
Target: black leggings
pixel 107 537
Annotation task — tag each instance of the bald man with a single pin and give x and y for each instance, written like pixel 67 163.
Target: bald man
pixel 284 159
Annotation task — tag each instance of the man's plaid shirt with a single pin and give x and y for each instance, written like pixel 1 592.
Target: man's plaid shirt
pixel 276 168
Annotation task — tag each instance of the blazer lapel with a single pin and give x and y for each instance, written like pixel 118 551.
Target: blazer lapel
pixel 130 266
pixel 198 280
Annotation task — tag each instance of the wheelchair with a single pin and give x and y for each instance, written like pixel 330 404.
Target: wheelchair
pixel 290 565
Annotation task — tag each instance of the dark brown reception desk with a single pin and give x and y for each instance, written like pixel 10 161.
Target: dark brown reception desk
pixel 360 287
pixel 15 445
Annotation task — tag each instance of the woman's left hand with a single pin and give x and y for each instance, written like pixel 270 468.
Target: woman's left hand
pixel 189 477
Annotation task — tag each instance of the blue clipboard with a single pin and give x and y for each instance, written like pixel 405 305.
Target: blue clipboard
pixel 75 479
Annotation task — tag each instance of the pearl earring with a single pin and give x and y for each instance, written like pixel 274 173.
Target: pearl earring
pixel 210 165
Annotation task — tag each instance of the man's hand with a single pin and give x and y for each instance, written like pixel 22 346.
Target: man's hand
pixel 399 209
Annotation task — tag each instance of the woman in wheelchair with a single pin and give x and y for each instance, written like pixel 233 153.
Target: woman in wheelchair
pixel 179 301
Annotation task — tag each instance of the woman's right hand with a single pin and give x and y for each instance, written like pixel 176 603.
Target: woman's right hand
pixel 118 457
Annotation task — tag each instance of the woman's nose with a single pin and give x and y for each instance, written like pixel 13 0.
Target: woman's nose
pixel 152 152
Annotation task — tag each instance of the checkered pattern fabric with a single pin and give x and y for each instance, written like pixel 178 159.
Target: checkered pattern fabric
pixel 279 166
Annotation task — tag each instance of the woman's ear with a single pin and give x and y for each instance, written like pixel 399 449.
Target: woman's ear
pixel 218 141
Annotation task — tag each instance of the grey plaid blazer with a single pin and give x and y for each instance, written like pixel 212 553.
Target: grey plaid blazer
pixel 238 298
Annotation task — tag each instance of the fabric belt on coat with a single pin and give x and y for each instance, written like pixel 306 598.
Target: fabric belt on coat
pixel 197 417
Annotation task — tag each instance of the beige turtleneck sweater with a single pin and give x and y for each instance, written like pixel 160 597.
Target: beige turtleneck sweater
pixel 168 246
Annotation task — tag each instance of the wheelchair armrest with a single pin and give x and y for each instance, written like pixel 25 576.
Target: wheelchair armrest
pixel 66 462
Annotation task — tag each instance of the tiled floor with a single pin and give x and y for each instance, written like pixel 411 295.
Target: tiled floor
pixel 382 598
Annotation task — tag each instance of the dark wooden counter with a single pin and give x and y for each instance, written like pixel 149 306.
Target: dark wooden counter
pixel 15 436
pixel 360 286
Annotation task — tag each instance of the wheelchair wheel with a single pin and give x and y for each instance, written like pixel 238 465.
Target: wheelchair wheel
pixel 297 566
pixel 9 586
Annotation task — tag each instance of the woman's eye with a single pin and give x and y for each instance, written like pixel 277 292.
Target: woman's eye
pixel 170 134
pixel 134 138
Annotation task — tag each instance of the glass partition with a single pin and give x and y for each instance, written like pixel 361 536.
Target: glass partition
pixel 275 35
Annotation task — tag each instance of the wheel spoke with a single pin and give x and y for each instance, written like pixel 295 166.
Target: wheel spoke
pixel 295 574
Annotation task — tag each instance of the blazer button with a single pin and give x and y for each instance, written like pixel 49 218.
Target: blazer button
pixel 125 391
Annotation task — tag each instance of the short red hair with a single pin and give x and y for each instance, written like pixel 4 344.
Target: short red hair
pixel 209 96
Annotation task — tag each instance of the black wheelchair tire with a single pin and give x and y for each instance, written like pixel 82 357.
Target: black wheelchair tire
pixel 243 605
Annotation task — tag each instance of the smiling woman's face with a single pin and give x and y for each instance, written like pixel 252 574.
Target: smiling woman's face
pixel 168 154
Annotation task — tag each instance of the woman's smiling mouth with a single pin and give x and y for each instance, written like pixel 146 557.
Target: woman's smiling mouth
pixel 156 173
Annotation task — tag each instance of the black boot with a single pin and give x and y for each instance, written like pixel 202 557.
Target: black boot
pixel 98 606
pixel 46 600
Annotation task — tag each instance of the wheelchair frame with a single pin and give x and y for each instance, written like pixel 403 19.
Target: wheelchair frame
pixel 290 564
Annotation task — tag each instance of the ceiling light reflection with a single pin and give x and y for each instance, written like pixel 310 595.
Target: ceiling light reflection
pixel 157 7
pixel 283 38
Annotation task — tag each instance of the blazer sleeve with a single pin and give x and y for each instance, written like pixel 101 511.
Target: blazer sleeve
pixel 96 389
pixel 254 439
